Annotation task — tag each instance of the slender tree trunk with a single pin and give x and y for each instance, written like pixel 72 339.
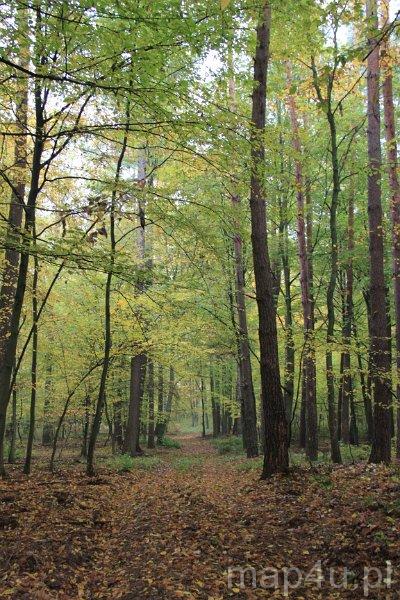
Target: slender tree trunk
pixel 138 369
pixel 332 284
pixel 170 396
pixel 86 426
pixel 364 391
pixel 249 413
pixel 381 445
pixel 118 432
pixel 160 426
pixel 391 150
pixel 138 362
pixel 283 245
pixel 150 398
pixel 48 425
pixel 14 428
pixel 289 340
pixel 13 234
pixel 306 297
pixel 276 458
pixel 203 412
pixel 101 399
pixel 15 298
pixel 32 416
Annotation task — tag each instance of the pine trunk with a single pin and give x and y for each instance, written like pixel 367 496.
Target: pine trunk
pixel 275 434
pixel 381 445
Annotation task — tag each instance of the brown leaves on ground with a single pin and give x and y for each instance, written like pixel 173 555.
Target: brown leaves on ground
pixel 173 533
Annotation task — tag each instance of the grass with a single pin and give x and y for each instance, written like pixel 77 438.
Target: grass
pixel 167 442
pixel 228 445
pixel 186 463
pixel 123 463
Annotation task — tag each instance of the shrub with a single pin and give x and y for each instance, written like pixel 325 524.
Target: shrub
pixel 228 445
pixel 167 442
pixel 124 462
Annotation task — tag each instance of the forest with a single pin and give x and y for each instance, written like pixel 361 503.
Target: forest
pixel 199 299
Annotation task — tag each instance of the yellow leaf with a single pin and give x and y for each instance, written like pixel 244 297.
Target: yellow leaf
pixel 225 3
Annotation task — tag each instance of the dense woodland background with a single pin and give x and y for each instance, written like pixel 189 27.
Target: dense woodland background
pixel 135 273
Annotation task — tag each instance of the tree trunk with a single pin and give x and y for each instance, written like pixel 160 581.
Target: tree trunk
pixel 248 401
pixel 288 393
pixel 32 415
pixel 13 233
pixel 160 426
pixel 15 292
pixel 306 296
pixel 276 458
pixel 138 368
pixel 118 431
pixel 150 399
pixel 381 445
pixel 14 428
pixel 48 425
pixel 138 362
pixel 97 418
pixel 86 426
pixel 170 396
pixel 391 150
pixel 203 415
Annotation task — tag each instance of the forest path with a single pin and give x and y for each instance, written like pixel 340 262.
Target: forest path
pixel 173 525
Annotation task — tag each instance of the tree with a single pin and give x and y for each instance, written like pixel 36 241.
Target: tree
pixel 380 361
pixel 275 426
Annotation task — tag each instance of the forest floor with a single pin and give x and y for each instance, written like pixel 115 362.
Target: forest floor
pixel 177 523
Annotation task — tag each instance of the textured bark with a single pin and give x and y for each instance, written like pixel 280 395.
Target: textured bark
pixel 150 399
pixel 118 439
pixel 283 246
pixel 392 166
pixel 170 396
pixel 32 412
pixel 306 296
pixel 48 425
pixel 10 347
pixel 248 401
pixel 203 410
pixel 101 398
pixel 275 436
pixel 381 445
pixel 249 414
pixel 132 430
pixel 333 276
pixel 138 367
pixel 19 174
pixel 161 422
pixel 14 428
pixel 86 426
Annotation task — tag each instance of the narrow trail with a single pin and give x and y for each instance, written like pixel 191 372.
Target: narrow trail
pixel 174 530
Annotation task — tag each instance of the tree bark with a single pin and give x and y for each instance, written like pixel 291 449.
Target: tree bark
pixel 392 166
pixel 306 296
pixel 13 233
pixel 14 428
pixel 332 284
pixel 248 401
pixel 138 362
pixel 10 347
pixel 150 399
pixel 97 418
pixel 138 369
pixel 381 445
pixel 276 458
pixel 160 426
pixel 32 414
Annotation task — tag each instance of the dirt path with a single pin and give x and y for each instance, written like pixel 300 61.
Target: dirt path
pixel 174 530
